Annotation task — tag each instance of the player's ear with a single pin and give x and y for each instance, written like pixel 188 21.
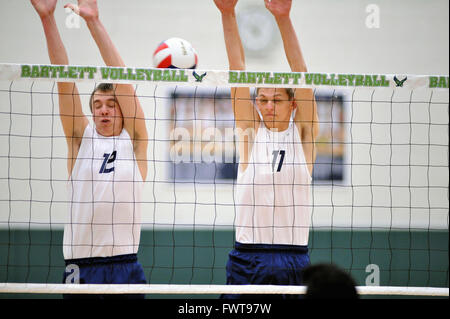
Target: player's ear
pixel 294 104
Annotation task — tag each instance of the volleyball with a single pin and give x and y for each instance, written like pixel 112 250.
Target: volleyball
pixel 175 53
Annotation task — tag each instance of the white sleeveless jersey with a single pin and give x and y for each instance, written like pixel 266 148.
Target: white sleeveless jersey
pixel 104 198
pixel 273 193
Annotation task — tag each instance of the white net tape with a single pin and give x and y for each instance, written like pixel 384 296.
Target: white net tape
pixel 208 78
pixel 204 289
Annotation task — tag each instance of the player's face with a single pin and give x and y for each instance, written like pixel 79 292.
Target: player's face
pixel 108 116
pixel 275 107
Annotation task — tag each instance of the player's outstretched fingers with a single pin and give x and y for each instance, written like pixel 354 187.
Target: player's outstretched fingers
pixel 73 7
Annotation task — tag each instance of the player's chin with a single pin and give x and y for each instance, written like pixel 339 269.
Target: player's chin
pixel 270 119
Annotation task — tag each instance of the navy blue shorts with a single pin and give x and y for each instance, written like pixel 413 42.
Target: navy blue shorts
pixel 260 264
pixel 122 269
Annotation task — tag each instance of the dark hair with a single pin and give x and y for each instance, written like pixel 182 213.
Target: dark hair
pixel 328 281
pixel 290 92
pixel 102 87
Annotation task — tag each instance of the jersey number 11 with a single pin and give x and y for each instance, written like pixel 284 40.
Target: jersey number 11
pixel 275 158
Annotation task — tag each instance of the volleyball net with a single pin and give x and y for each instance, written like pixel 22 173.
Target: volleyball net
pixel 379 189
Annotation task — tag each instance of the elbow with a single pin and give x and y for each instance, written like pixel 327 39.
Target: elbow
pixel 316 130
pixel 310 132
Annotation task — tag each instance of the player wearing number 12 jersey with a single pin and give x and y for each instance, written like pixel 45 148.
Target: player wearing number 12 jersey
pixel 106 165
pixel 277 133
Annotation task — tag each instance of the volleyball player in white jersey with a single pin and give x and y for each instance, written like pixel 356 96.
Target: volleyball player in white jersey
pixel 106 164
pixel 276 147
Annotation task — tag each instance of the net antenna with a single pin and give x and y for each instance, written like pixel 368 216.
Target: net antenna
pixel 380 183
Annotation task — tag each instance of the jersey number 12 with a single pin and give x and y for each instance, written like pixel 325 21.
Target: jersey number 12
pixel 108 159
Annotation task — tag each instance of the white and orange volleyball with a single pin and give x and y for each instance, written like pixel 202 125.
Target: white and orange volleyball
pixel 175 53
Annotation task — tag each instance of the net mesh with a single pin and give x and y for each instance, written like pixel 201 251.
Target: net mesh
pixel 379 190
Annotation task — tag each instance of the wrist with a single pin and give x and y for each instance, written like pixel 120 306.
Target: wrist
pixel 47 17
pixel 228 13
pixel 282 18
pixel 92 21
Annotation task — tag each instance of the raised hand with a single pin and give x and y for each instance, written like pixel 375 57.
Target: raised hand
pixel 226 5
pixel 87 9
pixel 279 8
pixel 44 7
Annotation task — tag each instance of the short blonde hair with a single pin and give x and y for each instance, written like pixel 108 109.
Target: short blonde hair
pixel 290 92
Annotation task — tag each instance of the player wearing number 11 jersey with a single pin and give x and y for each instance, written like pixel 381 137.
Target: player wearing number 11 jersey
pixel 277 133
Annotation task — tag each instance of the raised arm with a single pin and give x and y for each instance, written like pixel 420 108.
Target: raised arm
pixel 134 118
pixel 73 120
pixel 306 117
pixel 244 111
pixel 245 114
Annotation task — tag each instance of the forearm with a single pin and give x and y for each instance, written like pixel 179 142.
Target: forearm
pixel 108 51
pixel 70 110
pixel 309 146
pixel 56 50
pixel 291 45
pixel 58 56
pixel 233 42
